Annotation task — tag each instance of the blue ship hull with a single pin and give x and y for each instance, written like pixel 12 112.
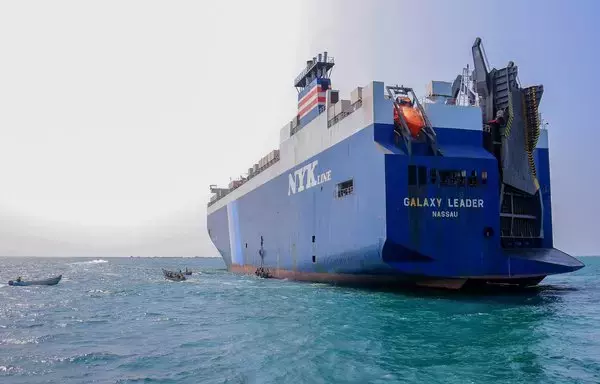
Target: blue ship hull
pixel 354 195
pixel 370 235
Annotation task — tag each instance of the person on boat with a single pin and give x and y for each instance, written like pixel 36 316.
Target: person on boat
pixel 403 100
pixel 19 279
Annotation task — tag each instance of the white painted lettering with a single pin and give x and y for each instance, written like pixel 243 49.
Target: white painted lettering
pixel 300 173
pixel 298 183
pixel 292 184
pixel 449 210
pixel 444 214
pixel 310 174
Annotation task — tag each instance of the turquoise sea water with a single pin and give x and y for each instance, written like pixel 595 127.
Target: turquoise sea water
pixel 118 321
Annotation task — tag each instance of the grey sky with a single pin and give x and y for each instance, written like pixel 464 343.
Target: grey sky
pixel 116 116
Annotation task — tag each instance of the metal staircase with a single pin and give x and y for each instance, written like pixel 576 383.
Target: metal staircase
pixel 532 124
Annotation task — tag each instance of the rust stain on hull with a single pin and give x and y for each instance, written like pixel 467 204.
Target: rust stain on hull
pixel 387 280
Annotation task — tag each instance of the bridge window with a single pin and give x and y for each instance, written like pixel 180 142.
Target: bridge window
pixel 483 177
pixel 345 188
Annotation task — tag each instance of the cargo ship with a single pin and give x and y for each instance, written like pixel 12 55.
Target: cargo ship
pixel 449 190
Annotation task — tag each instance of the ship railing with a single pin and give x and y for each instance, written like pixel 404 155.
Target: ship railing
pixel 244 180
pixel 294 128
pixel 336 119
pixel 330 60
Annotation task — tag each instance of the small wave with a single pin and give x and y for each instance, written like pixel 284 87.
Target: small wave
pixel 12 341
pixel 98 292
pixel 94 357
pixel 153 314
pixel 32 325
pixel 95 261
pixel 140 380
pixel 83 358
pixel 10 369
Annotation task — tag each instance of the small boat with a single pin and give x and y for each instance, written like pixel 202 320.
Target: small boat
pixel 174 276
pixel 22 283
pixel 263 273
pixel 187 272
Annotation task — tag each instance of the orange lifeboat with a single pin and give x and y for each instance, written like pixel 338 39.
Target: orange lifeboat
pixel 412 116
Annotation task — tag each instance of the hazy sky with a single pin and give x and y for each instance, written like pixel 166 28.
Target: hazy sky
pixel 115 116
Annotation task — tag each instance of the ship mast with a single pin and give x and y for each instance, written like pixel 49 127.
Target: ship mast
pixel 319 67
pixel 312 84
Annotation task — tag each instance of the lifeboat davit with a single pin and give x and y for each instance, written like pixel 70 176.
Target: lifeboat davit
pixel 412 116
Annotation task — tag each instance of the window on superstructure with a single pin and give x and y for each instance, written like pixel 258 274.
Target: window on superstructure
pixel 345 188
pixel 448 177
pixel 483 177
pixel 412 175
pixel 473 179
pixel 433 175
pixel 444 178
pixel 422 175
pixel 462 178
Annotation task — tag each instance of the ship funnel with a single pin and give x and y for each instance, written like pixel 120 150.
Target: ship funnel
pixel 319 57
pixel 325 56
